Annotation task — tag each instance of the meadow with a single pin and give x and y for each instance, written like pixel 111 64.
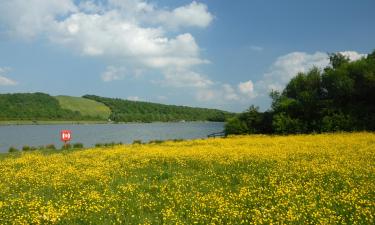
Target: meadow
pixel 300 179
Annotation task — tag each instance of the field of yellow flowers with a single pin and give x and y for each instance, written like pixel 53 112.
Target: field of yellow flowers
pixel 302 179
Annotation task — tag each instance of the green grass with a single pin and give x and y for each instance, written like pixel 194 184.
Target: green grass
pixel 48 122
pixel 86 107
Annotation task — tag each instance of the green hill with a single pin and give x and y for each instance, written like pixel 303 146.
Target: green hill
pixel 136 111
pixel 43 107
pixel 33 106
pixel 86 107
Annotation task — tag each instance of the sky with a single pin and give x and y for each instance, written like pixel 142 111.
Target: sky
pixel 215 54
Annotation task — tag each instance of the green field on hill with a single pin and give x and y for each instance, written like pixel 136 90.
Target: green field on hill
pixel 86 107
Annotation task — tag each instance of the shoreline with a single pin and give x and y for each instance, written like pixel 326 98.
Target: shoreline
pixel 84 122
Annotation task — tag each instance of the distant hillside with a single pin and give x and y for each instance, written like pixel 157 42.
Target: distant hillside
pixel 86 107
pixel 41 106
pixel 35 106
pixel 135 111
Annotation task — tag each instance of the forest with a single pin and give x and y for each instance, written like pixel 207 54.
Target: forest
pixel 43 107
pixel 136 111
pixel 34 106
pixel 341 97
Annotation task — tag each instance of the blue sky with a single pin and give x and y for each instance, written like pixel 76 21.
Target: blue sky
pixel 217 54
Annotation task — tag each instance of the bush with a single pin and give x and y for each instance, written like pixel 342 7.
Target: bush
pixel 235 126
pixel 13 149
pixel 99 145
pixel 284 124
pixel 51 147
pixel 137 142
pixel 26 148
pixel 78 145
pixel 32 148
pixel 156 142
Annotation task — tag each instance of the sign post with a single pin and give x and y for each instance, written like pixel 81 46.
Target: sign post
pixel 65 135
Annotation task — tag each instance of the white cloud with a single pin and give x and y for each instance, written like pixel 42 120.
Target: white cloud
pixel 286 67
pixel 186 79
pixel 352 55
pixel 134 98
pixel 29 18
pixel 113 73
pixel 135 31
pixel 205 95
pixel 5 81
pixel 229 93
pixel 193 15
pixel 246 88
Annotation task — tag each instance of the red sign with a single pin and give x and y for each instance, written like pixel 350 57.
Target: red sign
pixel 66 135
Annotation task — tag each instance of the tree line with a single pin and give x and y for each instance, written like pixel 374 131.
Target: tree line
pixel 341 97
pixel 136 111
pixel 34 106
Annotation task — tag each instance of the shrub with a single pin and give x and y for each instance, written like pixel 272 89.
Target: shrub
pixel 78 145
pixel 155 141
pixel 99 145
pixel 32 148
pixel 13 149
pixel 137 142
pixel 235 126
pixel 26 148
pixel 51 147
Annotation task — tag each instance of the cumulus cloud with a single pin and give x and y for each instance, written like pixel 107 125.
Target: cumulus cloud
pixel 132 30
pixel 194 15
pixel 353 55
pixel 186 79
pixel 287 66
pixel 5 81
pixel 113 73
pixel 246 88
pixel 206 95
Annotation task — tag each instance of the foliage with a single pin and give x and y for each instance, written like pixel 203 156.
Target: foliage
pixel 339 98
pixel 258 179
pixel 135 111
pixel 34 106
pixel 137 142
pixel 78 145
pixel 50 147
pixel 13 149
pixel 250 122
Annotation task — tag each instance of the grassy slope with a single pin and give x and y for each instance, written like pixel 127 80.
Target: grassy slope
pixel 301 179
pixel 85 106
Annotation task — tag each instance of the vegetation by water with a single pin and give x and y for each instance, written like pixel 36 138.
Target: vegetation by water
pixel 85 106
pixel 339 98
pixel 30 108
pixel 304 179
pixel 129 111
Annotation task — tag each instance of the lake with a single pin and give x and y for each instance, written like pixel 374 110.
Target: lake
pixel 90 134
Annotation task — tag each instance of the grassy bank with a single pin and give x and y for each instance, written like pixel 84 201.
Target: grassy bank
pixel 46 122
pixel 238 180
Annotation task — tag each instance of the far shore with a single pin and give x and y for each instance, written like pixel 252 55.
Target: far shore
pixel 57 122
pixel 47 122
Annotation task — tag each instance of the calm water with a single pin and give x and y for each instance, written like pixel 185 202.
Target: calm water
pixel 36 135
